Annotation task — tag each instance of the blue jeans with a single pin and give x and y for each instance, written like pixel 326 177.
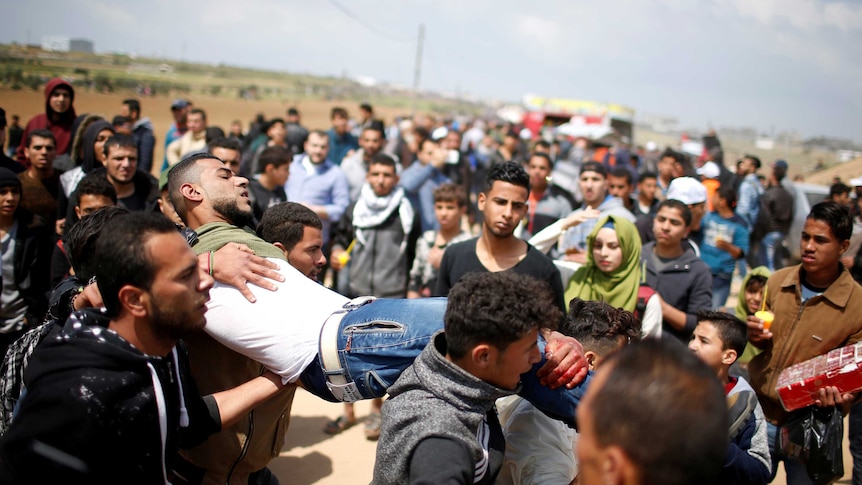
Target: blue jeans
pixel 720 289
pixel 770 251
pixel 797 473
pixel 377 341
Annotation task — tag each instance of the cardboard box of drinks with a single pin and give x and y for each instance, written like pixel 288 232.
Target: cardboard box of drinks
pixel 798 384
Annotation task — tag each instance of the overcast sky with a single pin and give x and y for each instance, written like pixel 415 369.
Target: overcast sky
pixel 782 64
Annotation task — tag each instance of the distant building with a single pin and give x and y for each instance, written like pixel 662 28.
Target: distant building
pixel 66 44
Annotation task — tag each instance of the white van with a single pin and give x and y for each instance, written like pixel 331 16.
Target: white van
pixel 806 196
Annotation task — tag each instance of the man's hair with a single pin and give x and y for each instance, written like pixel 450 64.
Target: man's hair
pixel 542 143
pixel 123 258
pixel 666 410
pixel 838 189
pixel 622 173
pixel 213 132
pixel 755 283
pixel 120 120
pixel 226 143
pixel 39 134
pixel 133 104
pixel 376 126
pixel 285 223
pixel 366 107
pixel 320 134
pixel 677 204
pixel 338 111
pixel 273 122
pixel 119 140
pixel 754 159
pixel 95 183
pixel 81 240
pixel 275 156
pixel 732 331
pixel 451 193
pixel 198 111
pixel 186 171
pixel 728 193
pixel 292 112
pixel 594 167
pixel 670 153
pixel 497 309
pixel 383 159
pixel 543 156
pixel 647 175
pixel 599 326
pixel 509 172
pixel 836 216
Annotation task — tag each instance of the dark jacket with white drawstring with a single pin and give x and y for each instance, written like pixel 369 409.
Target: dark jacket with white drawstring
pixel 97 409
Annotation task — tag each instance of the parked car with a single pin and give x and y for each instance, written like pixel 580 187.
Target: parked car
pixel 806 196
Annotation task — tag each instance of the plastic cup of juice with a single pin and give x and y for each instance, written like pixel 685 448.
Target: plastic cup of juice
pixel 766 316
pixel 343 258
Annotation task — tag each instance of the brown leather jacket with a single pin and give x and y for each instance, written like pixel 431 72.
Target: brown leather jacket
pixel 803 331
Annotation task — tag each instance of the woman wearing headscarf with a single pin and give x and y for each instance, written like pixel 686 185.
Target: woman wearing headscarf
pixel 613 273
pixel 95 136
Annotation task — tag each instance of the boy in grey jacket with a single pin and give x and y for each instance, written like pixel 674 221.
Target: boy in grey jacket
pixel 439 424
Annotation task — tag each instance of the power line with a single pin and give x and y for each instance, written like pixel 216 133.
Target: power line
pixel 368 26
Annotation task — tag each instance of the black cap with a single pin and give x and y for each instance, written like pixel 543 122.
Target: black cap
pixel 8 177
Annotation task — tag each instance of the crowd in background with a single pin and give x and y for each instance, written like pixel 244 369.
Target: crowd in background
pixel 406 209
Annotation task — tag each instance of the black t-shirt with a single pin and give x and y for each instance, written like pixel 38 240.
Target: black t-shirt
pixel 460 259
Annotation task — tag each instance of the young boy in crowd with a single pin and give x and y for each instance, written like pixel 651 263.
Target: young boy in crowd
pixel 541 450
pixel 450 205
pixel 718 340
pixel 439 424
pixel 267 189
pixel 725 241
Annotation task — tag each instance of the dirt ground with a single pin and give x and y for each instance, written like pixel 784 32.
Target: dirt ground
pixel 220 111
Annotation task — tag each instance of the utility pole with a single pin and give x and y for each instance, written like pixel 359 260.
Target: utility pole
pixel 417 73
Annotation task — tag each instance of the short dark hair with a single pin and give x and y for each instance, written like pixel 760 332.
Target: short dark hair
pixel 732 331
pixel 285 222
pixel 633 407
pixel 133 104
pixel 95 183
pixel 120 120
pixel 39 134
pixel 599 326
pixel 728 193
pixel 838 189
pixel 213 132
pixel 123 258
pixel 754 159
pixel 81 240
pixel 676 204
pixel 836 215
pixel 198 111
pixel 186 171
pixel 366 107
pixel 273 122
pixel 383 159
pixel 119 140
pixel 509 172
pixel 543 156
pixel 542 143
pixel 292 111
pixel 226 143
pixel 338 111
pixel 275 156
pixel 451 193
pixel 376 126
pixel 496 308
pixel 647 175
pixel 622 173
pixel 594 167
pixel 670 153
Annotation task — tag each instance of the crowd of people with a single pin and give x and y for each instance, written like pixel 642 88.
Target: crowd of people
pixel 520 309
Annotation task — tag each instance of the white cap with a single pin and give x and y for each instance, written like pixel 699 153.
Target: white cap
pixel 439 133
pixel 687 190
pixel 651 146
pixel 525 134
pixel 709 170
pixel 857 182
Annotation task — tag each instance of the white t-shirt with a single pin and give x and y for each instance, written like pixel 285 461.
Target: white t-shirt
pixel 282 329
